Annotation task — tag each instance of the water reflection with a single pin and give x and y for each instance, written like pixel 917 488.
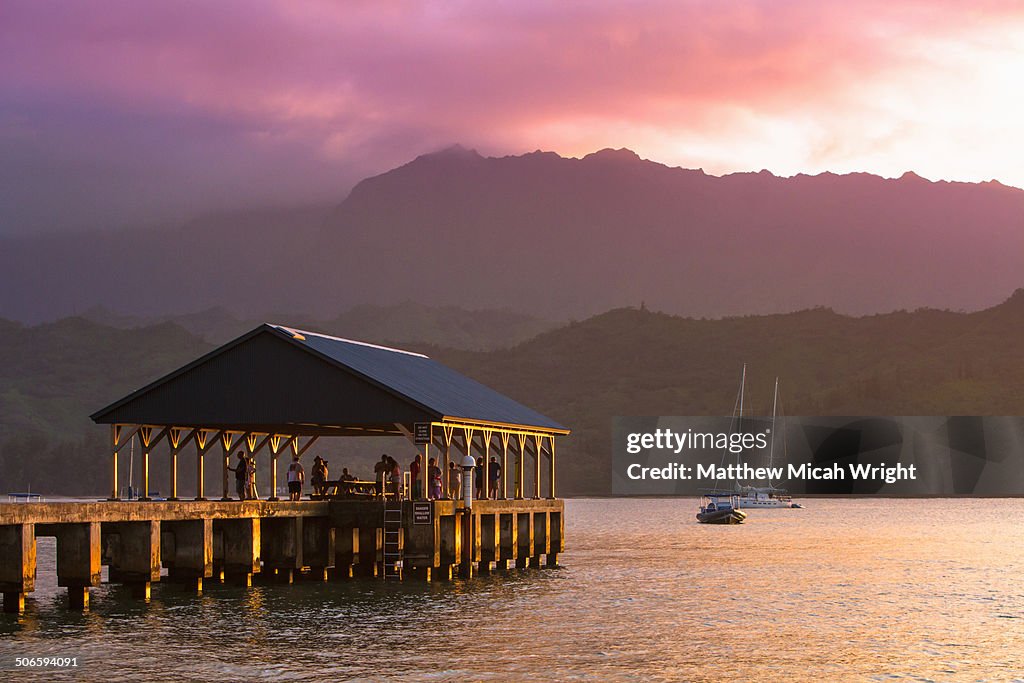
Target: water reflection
pixel 857 589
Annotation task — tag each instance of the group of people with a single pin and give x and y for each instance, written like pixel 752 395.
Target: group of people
pixel 245 476
pixel 494 478
pixel 320 478
pixel 387 473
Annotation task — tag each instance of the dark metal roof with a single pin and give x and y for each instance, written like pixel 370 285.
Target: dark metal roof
pixel 255 381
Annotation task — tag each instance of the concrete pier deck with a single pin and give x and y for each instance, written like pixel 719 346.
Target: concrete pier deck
pixel 230 540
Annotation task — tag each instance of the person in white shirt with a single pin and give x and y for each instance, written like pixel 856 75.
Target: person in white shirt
pixel 296 476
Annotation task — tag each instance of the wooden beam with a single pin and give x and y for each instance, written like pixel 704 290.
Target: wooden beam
pixel 123 440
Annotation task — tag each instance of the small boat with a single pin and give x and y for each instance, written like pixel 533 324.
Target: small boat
pixel 720 508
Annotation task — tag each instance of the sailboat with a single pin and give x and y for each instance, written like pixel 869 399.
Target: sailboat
pixel 722 507
pixel 765 496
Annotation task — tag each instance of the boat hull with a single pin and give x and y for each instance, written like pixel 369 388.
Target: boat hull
pixel 765 503
pixel 730 516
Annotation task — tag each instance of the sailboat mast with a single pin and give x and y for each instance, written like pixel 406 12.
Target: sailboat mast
pixel 771 444
pixel 743 384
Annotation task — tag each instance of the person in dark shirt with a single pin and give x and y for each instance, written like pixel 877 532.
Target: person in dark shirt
pixel 241 476
pixel 494 470
pixel 381 470
pixel 414 473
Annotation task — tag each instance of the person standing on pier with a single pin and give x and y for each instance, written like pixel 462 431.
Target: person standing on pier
pixel 478 479
pixel 241 476
pixel 454 481
pixel 319 478
pixel 415 468
pixel 494 470
pixel 296 475
pixel 250 474
pixel 381 471
pixel 396 477
pixel 434 473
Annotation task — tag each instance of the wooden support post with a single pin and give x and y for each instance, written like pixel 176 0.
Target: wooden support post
pixel 148 442
pixel 200 472
pixel 277 443
pixel 145 475
pixel 425 472
pixel 227 457
pixel 521 467
pixel 174 437
pixel 505 436
pixel 551 469
pixel 174 475
pixel 536 466
pixel 445 468
pixel 226 442
pixel 485 449
pixel 115 433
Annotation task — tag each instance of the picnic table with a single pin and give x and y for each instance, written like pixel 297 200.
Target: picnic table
pixel 352 488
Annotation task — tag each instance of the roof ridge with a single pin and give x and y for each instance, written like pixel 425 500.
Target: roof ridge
pixel 302 333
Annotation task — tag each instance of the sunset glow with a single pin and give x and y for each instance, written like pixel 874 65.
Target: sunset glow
pixel 137 111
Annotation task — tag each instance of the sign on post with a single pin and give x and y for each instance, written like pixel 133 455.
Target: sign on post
pixel 421 512
pixel 421 432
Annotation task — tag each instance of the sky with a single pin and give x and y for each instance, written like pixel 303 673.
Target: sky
pixel 134 114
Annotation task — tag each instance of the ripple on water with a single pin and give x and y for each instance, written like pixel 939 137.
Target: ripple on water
pixel 857 589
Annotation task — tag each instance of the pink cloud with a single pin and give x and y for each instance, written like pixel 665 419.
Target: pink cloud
pixel 371 84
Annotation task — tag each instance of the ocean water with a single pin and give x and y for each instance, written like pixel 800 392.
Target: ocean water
pixel 866 589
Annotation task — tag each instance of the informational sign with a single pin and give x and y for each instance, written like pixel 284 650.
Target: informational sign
pixel 421 432
pixel 421 512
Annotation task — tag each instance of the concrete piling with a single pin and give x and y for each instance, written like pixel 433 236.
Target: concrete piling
pixel 346 552
pixel 18 566
pixel 186 550
pixel 371 551
pixel 524 534
pixel 132 552
pixel 318 546
pixel 281 545
pixel 78 558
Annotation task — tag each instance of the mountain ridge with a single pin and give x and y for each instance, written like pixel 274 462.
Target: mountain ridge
pixel 552 237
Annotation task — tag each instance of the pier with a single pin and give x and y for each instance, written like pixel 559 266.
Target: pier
pixel 234 542
pixel 281 389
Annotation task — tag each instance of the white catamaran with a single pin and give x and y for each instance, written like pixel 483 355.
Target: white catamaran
pixel 764 496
